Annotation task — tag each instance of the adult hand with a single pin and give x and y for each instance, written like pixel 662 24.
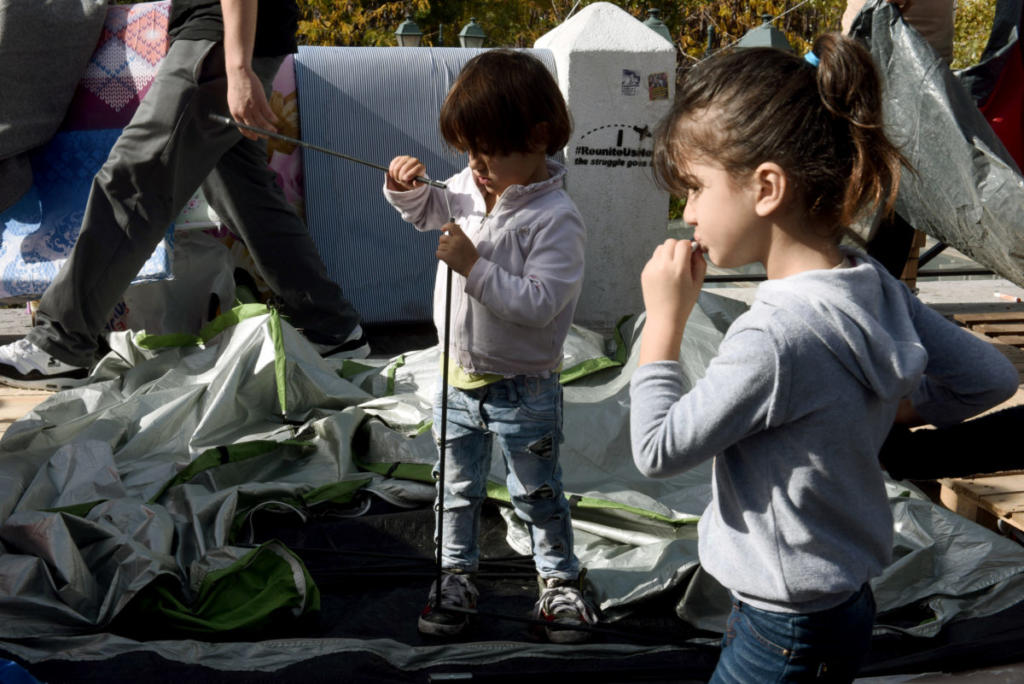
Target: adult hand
pixel 457 250
pixel 248 103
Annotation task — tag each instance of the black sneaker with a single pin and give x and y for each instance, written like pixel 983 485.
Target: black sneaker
pixel 355 346
pixel 457 590
pixel 563 606
pixel 24 365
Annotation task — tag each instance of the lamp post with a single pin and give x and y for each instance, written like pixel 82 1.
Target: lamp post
pixel 472 35
pixel 408 33
pixel 711 40
pixel 655 23
pixel 765 35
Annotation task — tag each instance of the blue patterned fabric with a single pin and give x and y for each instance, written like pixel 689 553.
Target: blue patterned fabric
pixel 39 231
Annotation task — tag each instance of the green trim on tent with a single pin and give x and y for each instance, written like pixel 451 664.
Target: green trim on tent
pixel 590 366
pixel 587 367
pixel 351 368
pixel 620 341
pixel 265 588
pixel 418 472
pixel 232 317
pixel 392 371
pixel 336 492
pixel 595 503
pixel 498 492
pixel 280 359
pixel 209 331
pixel 152 342
pixel 78 510
pixel 232 453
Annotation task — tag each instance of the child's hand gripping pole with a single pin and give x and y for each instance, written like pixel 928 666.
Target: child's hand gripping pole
pixel 443 439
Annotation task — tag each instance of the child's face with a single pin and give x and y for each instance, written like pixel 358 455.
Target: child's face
pixel 721 210
pixel 495 173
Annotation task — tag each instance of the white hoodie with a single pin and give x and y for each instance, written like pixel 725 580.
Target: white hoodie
pixel 512 314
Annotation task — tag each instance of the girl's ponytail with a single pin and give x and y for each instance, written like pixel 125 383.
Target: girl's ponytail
pixel 851 91
pixel 822 124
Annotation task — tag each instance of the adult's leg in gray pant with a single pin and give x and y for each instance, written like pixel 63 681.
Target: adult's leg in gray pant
pixel 159 160
pixel 244 193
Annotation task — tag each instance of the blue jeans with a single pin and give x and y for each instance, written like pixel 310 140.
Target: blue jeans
pixel 827 646
pixel 524 415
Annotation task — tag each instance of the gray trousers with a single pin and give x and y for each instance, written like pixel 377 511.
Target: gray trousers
pixel 168 149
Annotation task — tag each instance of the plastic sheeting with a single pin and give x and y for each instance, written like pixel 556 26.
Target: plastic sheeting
pixel 158 467
pixel 374 104
pixel 966 190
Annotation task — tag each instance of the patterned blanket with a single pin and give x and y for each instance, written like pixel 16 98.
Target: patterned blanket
pixel 132 43
pixel 40 229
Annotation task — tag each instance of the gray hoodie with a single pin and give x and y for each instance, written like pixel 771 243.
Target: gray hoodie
pixel 794 409
pixel 513 312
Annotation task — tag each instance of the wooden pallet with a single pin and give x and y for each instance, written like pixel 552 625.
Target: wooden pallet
pixel 15 403
pixel 1004 329
pixel 989 498
pixel 986 499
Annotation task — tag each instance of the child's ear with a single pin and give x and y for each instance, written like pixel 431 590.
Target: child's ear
pixel 539 136
pixel 771 186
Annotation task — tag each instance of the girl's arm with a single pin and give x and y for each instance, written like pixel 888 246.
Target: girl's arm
pixel 674 427
pixel 552 275
pixel 671 282
pixel 964 376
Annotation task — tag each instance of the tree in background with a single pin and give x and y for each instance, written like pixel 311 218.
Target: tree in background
pixel 518 23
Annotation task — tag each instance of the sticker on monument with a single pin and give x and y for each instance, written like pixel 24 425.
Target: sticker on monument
pixel 657 86
pixel 630 82
pixel 613 146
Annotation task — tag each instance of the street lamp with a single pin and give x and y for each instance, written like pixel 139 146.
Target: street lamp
pixel 655 23
pixel 472 35
pixel 765 35
pixel 408 33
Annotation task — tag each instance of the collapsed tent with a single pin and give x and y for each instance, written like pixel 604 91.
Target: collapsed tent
pixel 232 504
pixel 152 511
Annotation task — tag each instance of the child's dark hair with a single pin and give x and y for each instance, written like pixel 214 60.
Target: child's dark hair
pixel 497 103
pixel 822 125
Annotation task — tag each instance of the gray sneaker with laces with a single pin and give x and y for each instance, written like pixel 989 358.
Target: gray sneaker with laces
pixel 458 591
pixel 563 605
pixel 24 365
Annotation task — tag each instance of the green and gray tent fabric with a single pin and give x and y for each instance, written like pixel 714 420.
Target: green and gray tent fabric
pixel 137 495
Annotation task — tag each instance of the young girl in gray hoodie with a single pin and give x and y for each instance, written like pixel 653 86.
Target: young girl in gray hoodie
pixel 776 154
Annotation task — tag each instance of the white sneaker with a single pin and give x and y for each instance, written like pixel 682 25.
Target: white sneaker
pixel 24 365
pixel 355 346
pixel 564 606
pixel 457 591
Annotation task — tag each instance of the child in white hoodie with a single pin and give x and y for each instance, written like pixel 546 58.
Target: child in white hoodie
pixel 775 155
pixel 514 241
